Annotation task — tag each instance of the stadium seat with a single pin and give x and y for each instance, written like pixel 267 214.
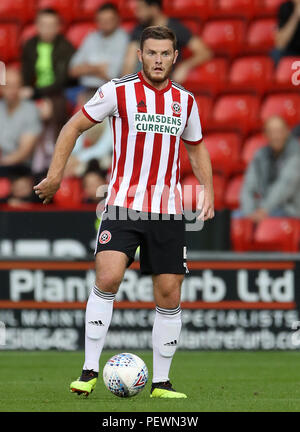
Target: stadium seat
pixel 251 74
pixel 209 77
pixel 9 42
pixel 251 146
pixel 190 196
pixel 270 7
pixel 128 25
pixel 22 10
pixel 69 10
pixel 77 32
pixel 277 234
pixel 201 9
pixel 69 194
pixel 287 105
pixel 127 9
pixel 260 36
pixel 219 183
pixel 241 234
pixel 205 104
pixel 4 187
pixel 185 165
pixel 232 193
pixel 287 74
pixel 237 8
pixel 28 32
pixel 236 112
pixel 224 150
pixel 89 7
pixel 225 37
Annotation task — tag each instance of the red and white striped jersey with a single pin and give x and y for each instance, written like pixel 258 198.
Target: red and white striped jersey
pixel 147 125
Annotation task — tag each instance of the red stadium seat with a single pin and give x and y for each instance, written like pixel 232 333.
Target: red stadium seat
pixel 225 36
pixel 237 8
pixel 251 74
pixel 128 26
pixel 205 109
pixel 241 234
pixel 185 164
pixel 69 10
pixel 89 7
pixel 251 146
pixel 286 105
pixel 210 77
pixel 219 183
pixel 224 150
pixel 127 9
pixel 278 234
pixel 9 42
pixel 22 10
pixel 270 7
pixel 238 112
pixel 191 189
pixel 77 32
pixel 260 36
pixel 69 194
pixel 27 33
pixel 287 74
pixel 201 9
pixel 232 194
pixel 4 187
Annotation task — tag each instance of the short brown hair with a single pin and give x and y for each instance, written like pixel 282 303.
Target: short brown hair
pixel 159 33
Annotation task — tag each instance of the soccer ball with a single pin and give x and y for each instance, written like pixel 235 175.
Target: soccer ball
pixel 125 375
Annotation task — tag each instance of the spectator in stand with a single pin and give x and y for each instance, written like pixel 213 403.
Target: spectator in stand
pixel 20 125
pixel 101 55
pixel 93 178
pixel 21 192
pixel 272 181
pixel 46 57
pixel 148 13
pixel 287 40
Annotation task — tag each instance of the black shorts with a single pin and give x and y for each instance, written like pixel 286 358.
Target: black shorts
pixel 161 241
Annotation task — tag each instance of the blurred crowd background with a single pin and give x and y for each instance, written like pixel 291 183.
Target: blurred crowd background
pixel 241 59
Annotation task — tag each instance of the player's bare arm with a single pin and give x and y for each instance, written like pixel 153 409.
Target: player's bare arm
pixel 63 148
pixel 201 165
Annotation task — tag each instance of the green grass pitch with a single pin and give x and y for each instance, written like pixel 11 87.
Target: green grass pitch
pixel 213 381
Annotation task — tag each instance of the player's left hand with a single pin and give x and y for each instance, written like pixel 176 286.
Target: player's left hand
pixel 206 205
pixel 46 189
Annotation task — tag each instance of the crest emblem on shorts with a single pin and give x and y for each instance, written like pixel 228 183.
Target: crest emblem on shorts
pixel 104 237
pixel 176 107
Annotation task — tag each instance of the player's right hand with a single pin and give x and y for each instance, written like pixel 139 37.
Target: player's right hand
pixel 46 189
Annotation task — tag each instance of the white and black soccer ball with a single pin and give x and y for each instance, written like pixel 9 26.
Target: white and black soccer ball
pixel 125 375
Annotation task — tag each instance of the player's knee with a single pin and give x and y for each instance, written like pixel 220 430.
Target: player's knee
pixel 108 282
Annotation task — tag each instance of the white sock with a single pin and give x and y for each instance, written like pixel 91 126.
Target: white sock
pixel 165 337
pixel 98 315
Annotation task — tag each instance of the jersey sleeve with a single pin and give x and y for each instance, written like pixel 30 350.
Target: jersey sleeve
pixel 192 133
pixel 103 104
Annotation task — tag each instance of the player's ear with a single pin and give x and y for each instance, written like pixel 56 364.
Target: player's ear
pixel 175 56
pixel 139 53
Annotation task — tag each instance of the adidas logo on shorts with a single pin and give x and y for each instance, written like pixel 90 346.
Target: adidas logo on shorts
pixel 97 323
pixel 174 342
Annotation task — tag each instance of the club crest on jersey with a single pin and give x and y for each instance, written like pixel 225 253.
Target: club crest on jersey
pixel 101 94
pixel 176 107
pixel 104 237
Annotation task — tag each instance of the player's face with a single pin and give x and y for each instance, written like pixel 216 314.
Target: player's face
pixel 157 57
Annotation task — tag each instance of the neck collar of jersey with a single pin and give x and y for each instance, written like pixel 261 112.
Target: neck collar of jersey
pixel 145 83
